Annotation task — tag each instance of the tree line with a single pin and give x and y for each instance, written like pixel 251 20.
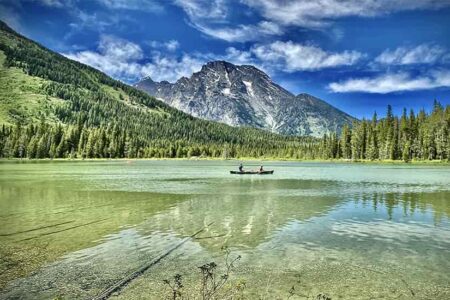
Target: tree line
pixel 409 137
pixel 45 140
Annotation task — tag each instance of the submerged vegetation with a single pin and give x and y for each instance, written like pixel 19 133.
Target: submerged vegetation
pixel 53 107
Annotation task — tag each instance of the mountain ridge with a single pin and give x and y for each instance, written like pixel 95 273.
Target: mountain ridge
pixel 243 95
pixel 52 106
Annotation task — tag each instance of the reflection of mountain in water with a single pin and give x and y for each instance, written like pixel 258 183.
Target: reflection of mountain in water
pixel 245 213
pixel 275 222
pixel 239 221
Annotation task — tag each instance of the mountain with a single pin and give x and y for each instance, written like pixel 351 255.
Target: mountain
pixel 246 96
pixel 51 106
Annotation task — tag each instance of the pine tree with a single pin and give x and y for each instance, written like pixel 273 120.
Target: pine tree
pixel 372 139
pixel 90 149
pixel 32 147
pixel 345 142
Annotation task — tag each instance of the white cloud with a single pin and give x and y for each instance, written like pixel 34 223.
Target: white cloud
pixel 123 59
pixel 171 68
pixel 291 57
pixel 52 3
pixel 119 49
pixel 171 45
pixel 168 67
pixel 319 12
pixel 116 57
pixel 238 57
pixel 397 82
pixel 240 33
pixel 204 9
pixel 144 5
pixel 422 54
pixel 210 18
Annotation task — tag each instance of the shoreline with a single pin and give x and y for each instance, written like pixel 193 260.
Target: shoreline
pixel 267 159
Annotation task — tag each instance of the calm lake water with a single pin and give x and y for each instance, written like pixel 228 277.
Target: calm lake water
pixel 350 231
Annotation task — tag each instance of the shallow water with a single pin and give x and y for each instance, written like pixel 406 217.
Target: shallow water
pixel 350 231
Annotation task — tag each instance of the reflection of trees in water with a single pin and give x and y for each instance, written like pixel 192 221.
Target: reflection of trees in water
pixel 243 219
pixel 410 203
pixel 245 213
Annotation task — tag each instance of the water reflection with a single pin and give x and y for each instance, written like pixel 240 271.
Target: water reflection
pixel 40 224
pixel 351 239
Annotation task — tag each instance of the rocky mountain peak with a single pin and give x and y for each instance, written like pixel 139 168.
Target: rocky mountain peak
pixel 246 96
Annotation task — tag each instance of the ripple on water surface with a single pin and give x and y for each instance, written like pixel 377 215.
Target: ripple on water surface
pixel 350 231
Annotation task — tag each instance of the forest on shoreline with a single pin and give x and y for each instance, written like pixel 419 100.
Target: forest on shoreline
pixel 418 137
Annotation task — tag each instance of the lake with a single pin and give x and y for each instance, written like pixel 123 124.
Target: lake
pixel 70 229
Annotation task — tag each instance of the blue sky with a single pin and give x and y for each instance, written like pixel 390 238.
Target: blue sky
pixel 357 55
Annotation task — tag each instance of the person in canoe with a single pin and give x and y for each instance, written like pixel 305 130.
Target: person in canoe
pixel 241 168
pixel 261 169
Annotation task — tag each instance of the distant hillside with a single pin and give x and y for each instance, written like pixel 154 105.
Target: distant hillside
pixel 246 96
pixel 55 107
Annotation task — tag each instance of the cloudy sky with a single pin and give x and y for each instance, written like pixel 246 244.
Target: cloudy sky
pixel 358 55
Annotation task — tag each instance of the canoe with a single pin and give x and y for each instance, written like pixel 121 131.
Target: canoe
pixel 252 172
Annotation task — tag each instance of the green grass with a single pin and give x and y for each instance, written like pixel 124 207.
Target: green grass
pixel 22 98
pixel 119 95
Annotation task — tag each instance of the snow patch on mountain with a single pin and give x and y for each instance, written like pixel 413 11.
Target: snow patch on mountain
pixel 248 85
pixel 226 91
pixel 246 96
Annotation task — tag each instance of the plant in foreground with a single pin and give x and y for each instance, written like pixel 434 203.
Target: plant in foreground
pixel 211 282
